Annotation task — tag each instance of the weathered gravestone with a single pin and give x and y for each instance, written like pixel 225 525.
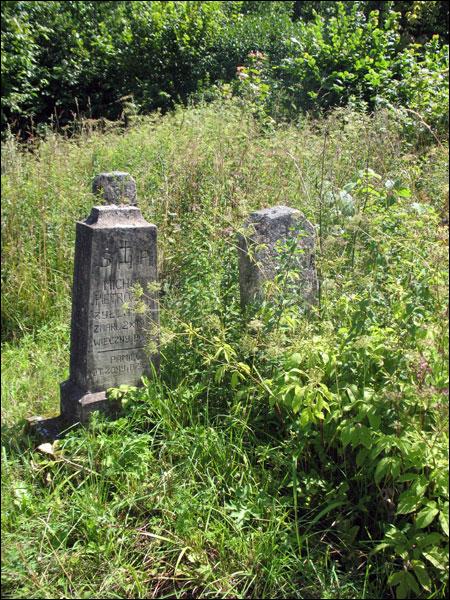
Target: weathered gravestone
pixel 265 238
pixel 115 319
pixel 112 343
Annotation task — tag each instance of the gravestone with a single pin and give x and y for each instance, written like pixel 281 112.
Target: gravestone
pixel 261 245
pixel 113 342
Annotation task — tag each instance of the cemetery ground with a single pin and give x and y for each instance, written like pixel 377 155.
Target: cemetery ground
pixel 276 454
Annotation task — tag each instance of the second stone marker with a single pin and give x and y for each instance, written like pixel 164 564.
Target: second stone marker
pixel 112 343
pixel 265 238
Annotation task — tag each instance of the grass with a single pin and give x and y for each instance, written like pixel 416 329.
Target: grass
pixel 213 483
pixel 188 510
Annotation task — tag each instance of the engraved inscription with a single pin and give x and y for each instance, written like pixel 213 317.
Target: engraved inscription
pixel 125 357
pixel 112 298
pixel 115 340
pixel 119 333
pixel 117 369
pixel 127 254
pixel 109 327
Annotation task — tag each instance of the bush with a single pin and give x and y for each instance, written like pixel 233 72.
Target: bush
pixel 350 59
pixel 62 60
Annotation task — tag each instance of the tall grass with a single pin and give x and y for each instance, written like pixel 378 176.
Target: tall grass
pixel 209 161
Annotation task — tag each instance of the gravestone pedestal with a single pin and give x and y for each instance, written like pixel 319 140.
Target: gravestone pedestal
pixel 77 404
pixel 260 248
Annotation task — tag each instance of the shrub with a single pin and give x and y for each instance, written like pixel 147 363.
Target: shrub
pixel 62 60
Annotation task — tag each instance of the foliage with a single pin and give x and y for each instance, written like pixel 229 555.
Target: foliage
pixel 350 59
pixel 419 20
pixel 86 56
pixel 62 60
pixel 362 402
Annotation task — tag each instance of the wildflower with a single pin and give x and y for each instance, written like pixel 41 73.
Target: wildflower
pixel 241 73
pixel 255 325
pixel 257 56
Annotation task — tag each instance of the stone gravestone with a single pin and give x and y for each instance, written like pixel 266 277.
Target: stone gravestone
pixel 259 247
pixel 115 317
pixel 112 342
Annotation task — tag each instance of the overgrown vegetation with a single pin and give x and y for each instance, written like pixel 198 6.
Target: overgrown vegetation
pixel 112 60
pixel 277 453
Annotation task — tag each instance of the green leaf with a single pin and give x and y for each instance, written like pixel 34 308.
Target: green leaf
pixel 405 582
pixel 419 486
pixel 411 582
pixel 425 517
pixel 347 434
pixel 430 539
pixel 380 547
pixel 402 590
pixel 437 558
pixel 370 172
pixel 361 457
pixel 234 380
pixel 365 437
pixel 374 420
pixel 220 372
pixel 323 512
pixel 421 574
pixel 443 520
pixel 352 390
pixel 407 503
pixel 244 367
pixel 296 403
pixel 382 469
pixel 396 578
pixel 294 359
pixel 305 418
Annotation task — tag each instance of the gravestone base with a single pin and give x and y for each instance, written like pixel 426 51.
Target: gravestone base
pixel 77 404
pixel 77 407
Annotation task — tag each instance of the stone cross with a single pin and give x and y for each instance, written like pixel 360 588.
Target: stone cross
pixel 260 246
pixel 114 330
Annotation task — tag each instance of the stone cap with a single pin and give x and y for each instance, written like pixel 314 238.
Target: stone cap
pixel 278 220
pixel 273 213
pixel 111 215
pixel 115 188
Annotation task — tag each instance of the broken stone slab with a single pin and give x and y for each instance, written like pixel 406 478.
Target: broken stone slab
pixel 46 429
pixel 261 246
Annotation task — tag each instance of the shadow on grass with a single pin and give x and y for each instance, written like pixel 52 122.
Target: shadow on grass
pixel 27 434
